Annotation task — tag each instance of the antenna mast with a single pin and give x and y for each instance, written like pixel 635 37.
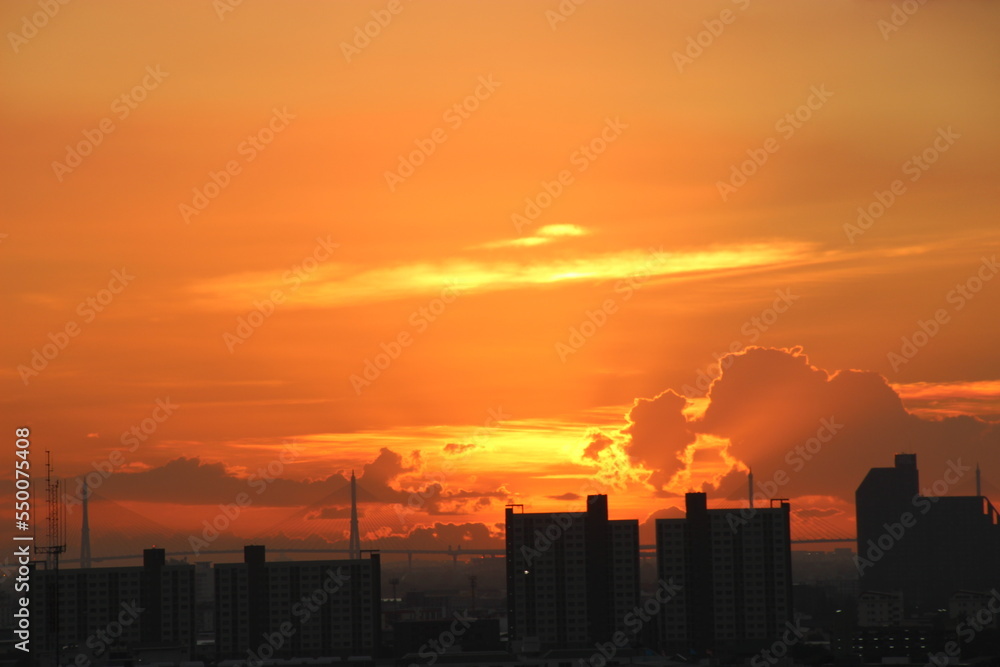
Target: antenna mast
pixel 55 521
pixel 56 544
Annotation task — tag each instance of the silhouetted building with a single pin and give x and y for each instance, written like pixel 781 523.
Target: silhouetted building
pixel 298 608
pixel 965 605
pixel 572 577
pixel 109 609
pixel 925 547
pixel 458 634
pixel 735 572
pixel 913 642
pixel 880 610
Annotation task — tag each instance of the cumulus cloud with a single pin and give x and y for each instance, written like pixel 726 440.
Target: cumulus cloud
pixel 613 467
pixel 804 431
pixel 658 434
pixel 824 430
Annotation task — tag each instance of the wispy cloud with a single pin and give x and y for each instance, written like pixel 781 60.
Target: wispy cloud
pixel 334 285
pixel 949 399
pixel 546 234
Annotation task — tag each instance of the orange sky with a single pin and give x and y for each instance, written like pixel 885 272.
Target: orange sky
pixel 457 252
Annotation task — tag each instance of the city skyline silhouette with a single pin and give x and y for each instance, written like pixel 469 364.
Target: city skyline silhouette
pixel 381 287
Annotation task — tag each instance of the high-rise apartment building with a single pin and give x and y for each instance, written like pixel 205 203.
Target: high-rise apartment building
pixel 108 609
pixel 919 542
pixel 733 569
pixel 572 577
pixel 297 608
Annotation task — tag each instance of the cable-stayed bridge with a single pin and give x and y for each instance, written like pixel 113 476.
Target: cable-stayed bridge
pixel 335 526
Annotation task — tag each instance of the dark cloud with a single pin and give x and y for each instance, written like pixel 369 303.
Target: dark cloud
pixel 464 535
pixel 706 455
pixel 332 513
pixel 658 433
pixel 596 443
pixel 816 512
pixel 566 496
pixel 732 486
pixel 377 476
pixel 437 536
pixel 824 430
pixel 190 481
pixel 804 430
pixel 456 448
pixel 442 502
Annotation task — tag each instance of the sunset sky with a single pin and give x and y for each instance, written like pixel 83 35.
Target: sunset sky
pixel 491 252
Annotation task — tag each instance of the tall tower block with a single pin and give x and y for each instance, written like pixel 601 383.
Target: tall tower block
pixel 85 532
pixel 355 545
